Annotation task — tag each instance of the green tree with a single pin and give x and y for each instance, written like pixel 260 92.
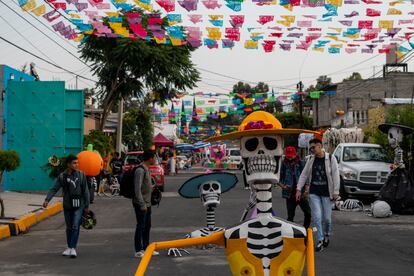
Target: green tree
pixel 138 128
pixel 274 107
pixel 403 115
pixel 322 82
pixel 102 143
pixel 125 68
pixel 292 120
pixel 353 76
pixel 9 161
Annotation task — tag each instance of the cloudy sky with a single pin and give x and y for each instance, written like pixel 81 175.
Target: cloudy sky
pixel 220 68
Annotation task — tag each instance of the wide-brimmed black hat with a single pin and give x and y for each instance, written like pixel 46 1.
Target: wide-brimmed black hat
pixel 190 189
pixel 385 127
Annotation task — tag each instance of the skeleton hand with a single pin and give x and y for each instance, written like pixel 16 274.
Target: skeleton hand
pixel 176 252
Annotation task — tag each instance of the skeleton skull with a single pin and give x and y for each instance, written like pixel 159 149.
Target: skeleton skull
pixel 395 136
pixel 210 193
pixel 262 155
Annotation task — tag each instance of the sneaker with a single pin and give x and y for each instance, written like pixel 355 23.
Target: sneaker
pixel 326 241
pixel 139 254
pixel 319 246
pixel 66 252
pixel 155 253
pixel 73 253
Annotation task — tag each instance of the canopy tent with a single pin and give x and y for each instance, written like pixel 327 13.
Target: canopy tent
pixel 162 141
pixel 184 146
pixel 200 145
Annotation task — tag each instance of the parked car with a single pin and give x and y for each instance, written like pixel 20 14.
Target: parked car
pixel 182 161
pixel 363 168
pixel 234 157
pixel 134 158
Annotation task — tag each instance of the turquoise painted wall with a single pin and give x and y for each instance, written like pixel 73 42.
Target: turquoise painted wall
pixel 43 119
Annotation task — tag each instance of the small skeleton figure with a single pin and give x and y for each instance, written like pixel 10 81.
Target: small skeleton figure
pixel 396 134
pixel 265 245
pixel 208 188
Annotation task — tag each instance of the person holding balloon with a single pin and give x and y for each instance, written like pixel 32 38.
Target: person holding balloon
pixel 75 201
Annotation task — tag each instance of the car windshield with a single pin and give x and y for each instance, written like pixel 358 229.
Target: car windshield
pixel 235 153
pixel 133 159
pixel 365 154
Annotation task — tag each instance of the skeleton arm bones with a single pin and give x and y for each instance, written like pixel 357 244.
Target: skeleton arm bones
pixel 216 238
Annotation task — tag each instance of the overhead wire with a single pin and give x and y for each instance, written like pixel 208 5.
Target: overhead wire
pixel 48 28
pixel 38 57
pixel 1 1
pixel 27 40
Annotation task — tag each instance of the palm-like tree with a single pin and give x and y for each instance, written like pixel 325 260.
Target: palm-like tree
pixel 126 67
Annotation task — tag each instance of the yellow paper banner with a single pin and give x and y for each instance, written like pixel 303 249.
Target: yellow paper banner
pixel 386 24
pixel 39 10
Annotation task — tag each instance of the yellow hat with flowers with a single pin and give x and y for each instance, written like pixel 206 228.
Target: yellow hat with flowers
pixel 259 123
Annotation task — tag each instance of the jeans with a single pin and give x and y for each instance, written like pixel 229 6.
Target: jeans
pixel 291 204
pixel 142 230
pixel 321 215
pixel 73 220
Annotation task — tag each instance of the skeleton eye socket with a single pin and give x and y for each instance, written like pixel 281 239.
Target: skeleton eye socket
pixel 215 186
pixel 391 135
pixel 252 144
pixel 270 143
pixel 206 187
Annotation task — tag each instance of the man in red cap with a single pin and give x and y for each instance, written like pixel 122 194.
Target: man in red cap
pixel 290 172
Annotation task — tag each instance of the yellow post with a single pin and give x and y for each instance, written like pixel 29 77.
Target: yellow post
pixel 310 257
pixel 216 238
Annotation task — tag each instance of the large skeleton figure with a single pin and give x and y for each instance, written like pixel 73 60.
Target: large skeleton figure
pixel 265 245
pixel 208 188
pixel 398 191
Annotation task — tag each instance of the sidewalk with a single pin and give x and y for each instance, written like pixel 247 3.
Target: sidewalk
pixel 23 210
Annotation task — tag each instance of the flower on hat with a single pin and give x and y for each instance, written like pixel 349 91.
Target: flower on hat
pixel 257 125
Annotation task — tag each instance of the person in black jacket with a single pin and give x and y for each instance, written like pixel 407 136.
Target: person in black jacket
pixel 75 201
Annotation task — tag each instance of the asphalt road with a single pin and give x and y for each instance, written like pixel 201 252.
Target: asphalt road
pixel 360 246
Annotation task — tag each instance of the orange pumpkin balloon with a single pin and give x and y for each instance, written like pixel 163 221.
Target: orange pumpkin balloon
pixel 90 162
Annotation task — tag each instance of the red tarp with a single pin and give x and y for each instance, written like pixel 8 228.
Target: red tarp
pixel 162 141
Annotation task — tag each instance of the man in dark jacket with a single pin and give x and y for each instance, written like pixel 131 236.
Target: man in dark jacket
pixel 290 172
pixel 142 203
pixel 75 201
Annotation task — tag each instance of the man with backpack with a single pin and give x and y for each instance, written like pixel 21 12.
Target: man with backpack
pixel 75 201
pixel 321 171
pixel 290 172
pixel 116 166
pixel 142 203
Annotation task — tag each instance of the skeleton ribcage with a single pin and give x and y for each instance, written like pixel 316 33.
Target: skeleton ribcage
pixel 265 241
pixel 398 158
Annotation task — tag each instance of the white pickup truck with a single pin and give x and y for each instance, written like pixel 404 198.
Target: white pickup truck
pixel 234 157
pixel 363 168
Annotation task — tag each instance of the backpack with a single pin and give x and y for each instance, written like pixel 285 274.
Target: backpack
pixel 156 196
pixel 127 188
pixel 116 166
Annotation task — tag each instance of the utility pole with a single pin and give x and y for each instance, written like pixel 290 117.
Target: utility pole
pixel 412 98
pixel 299 87
pixel 119 129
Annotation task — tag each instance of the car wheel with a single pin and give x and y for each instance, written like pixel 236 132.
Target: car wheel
pixel 342 192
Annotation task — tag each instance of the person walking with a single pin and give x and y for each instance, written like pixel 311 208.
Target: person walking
pixel 142 203
pixel 321 171
pixel 75 201
pixel 290 171
pixel 116 166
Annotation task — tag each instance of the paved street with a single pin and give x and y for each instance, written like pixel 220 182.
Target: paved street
pixel 360 246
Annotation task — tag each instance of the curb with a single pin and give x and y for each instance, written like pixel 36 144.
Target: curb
pixel 4 231
pixel 22 224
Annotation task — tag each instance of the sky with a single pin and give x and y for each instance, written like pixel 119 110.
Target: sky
pixel 219 68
